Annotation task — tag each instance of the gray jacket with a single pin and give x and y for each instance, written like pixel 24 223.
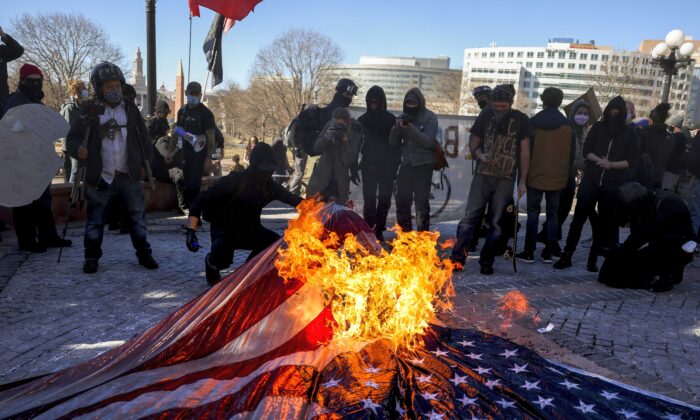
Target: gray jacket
pixel 417 140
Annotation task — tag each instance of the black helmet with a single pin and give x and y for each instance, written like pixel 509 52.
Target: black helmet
pixel 105 72
pixel 346 85
pixel 482 90
pixel 633 194
pixel 263 157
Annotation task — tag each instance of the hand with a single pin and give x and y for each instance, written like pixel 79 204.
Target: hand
pixel 605 164
pixel 82 153
pixel 191 241
pixel 484 157
pixel 522 189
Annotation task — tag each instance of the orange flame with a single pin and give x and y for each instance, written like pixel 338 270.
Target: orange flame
pixel 514 305
pixel 373 293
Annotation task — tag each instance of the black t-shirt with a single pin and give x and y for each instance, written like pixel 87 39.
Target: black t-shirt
pixel 196 120
pixel 501 140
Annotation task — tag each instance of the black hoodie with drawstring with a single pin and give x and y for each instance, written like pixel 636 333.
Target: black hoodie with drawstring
pixel 612 138
pixel 376 126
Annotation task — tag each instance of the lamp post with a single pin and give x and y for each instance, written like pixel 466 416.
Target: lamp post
pixel 151 56
pixel 671 55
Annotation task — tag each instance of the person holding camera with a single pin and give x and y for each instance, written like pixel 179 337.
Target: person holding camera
pixel 338 145
pixel 195 118
pixel 114 155
pixel 416 132
pixel 500 143
pixel 233 206
pixel 34 224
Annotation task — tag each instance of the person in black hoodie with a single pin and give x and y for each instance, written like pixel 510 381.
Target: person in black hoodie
pixel 657 144
pixel 114 156
pixel 9 50
pixel 610 150
pixel 233 206
pixel 380 160
pixel 167 157
pixel 676 179
pixel 660 243
pixel 34 223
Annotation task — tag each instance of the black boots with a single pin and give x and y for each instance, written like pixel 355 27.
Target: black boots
pixel 211 271
pixel 592 263
pixel 564 261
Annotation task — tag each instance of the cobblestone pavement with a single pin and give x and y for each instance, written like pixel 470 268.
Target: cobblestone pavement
pixel 53 316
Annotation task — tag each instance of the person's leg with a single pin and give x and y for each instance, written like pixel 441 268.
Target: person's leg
pixel 221 255
pixel 585 206
pixel 500 192
pixel 386 182
pixel 300 158
pixel 177 177
pixel 97 202
pixel 534 200
pixel 566 201
pixel 473 215
pixel 193 171
pixel 73 169
pixel 131 193
pixel 370 181
pixel 670 181
pixel 552 200
pixel 46 226
pixel 404 197
pixel 259 241
pixel 422 182
pixel 694 206
pixel 66 167
pixel 25 228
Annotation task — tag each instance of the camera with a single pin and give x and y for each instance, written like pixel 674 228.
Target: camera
pixel 407 119
pixel 91 111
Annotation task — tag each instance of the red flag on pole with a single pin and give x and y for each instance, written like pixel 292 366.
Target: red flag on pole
pixel 231 9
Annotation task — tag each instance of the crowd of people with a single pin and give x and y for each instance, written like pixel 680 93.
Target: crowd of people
pixel 619 171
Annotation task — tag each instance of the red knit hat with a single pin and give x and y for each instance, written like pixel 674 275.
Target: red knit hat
pixel 29 69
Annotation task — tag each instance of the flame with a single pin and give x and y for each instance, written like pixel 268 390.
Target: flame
pixel 514 305
pixel 374 294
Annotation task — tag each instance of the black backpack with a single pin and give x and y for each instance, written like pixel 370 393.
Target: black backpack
pixel 302 132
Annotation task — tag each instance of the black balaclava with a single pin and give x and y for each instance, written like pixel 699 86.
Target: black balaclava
pixel 616 123
pixel 32 89
pixel 411 104
pixel 341 100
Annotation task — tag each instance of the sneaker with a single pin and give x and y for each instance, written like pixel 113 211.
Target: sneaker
pixel 148 262
pixel 90 266
pixel 564 261
pixel 212 273
pixel 526 257
pixel 546 257
pixel 486 270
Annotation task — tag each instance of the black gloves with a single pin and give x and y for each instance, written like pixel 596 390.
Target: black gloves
pixel 192 243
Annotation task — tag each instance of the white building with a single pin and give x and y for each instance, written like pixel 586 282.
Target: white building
pixel 573 67
pixel 396 75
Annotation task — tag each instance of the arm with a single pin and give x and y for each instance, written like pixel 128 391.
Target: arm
pixel 524 164
pixel 426 138
pixel 11 50
pixel 281 194
pixel 395 136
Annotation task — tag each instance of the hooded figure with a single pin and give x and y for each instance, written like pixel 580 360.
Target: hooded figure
pixel 657 144
pixel 233 206
pixel 610 150
pixel 416 132
pixel 380 160
pixel 659 245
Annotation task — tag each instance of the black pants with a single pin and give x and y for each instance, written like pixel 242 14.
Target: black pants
pixel 193 170
pixel 635 269
pixel 225 241
pixel 413 185
pixel 566 201
pixel 34 221
pixel 377 186
pixel 173 176
pixel 605 226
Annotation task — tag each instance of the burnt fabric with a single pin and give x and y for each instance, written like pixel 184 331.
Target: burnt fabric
pixel 256 346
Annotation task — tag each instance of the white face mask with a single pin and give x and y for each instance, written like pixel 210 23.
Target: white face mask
pixel 84 94
pixel 581 119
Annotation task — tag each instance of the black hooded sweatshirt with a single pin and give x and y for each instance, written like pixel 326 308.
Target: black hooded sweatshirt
pixel 376 126
pixel 658 145
pixel 624 146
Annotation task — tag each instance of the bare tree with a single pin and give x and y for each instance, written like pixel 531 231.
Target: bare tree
pixel 65 46
pixel 617 77
pixel 446 96
pixel 288 73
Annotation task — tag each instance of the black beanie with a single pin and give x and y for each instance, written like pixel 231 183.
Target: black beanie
pixel 503 93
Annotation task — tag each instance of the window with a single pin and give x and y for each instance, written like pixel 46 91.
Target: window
pixel 583 56
pixel 562 55
pixel 572 55
pixel 536 84
pixel 615 58
pixel 510 54
pixel 483 55
pixel 582 67
pixel 528 74
pixel 593 67
pixel 534 94
pixel 572 65
pixel 604 57
pixel 560 65
pixel 550 65
pixel 550 54
pixel 594 56
pixel 492 55
pixel 540 54
pixel 528 64
pixel 520 54
pixel 530 54
pixel 625 59
pixel 526 84
pixel 501 54
pixel 539 65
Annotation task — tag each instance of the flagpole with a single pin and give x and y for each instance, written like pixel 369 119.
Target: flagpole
pixel 206 81
pixel 189 58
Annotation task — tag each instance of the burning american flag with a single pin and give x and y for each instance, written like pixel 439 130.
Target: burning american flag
pixel 326 324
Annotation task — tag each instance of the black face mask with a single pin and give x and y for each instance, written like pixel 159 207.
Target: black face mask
pixel 615 122
pixel 31 88
pixel 482 103
pixel 411 110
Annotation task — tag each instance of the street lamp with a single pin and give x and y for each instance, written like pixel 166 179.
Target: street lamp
pixel 671 55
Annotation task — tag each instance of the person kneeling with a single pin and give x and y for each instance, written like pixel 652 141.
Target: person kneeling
pixel 233 206
pixel 660 244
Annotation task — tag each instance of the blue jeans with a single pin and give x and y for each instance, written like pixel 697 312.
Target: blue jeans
pixel 534 200
pixel 98 200
pixel 694 206
pixel 496 192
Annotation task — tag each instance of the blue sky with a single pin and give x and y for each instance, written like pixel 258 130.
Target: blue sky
pixel 378 27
